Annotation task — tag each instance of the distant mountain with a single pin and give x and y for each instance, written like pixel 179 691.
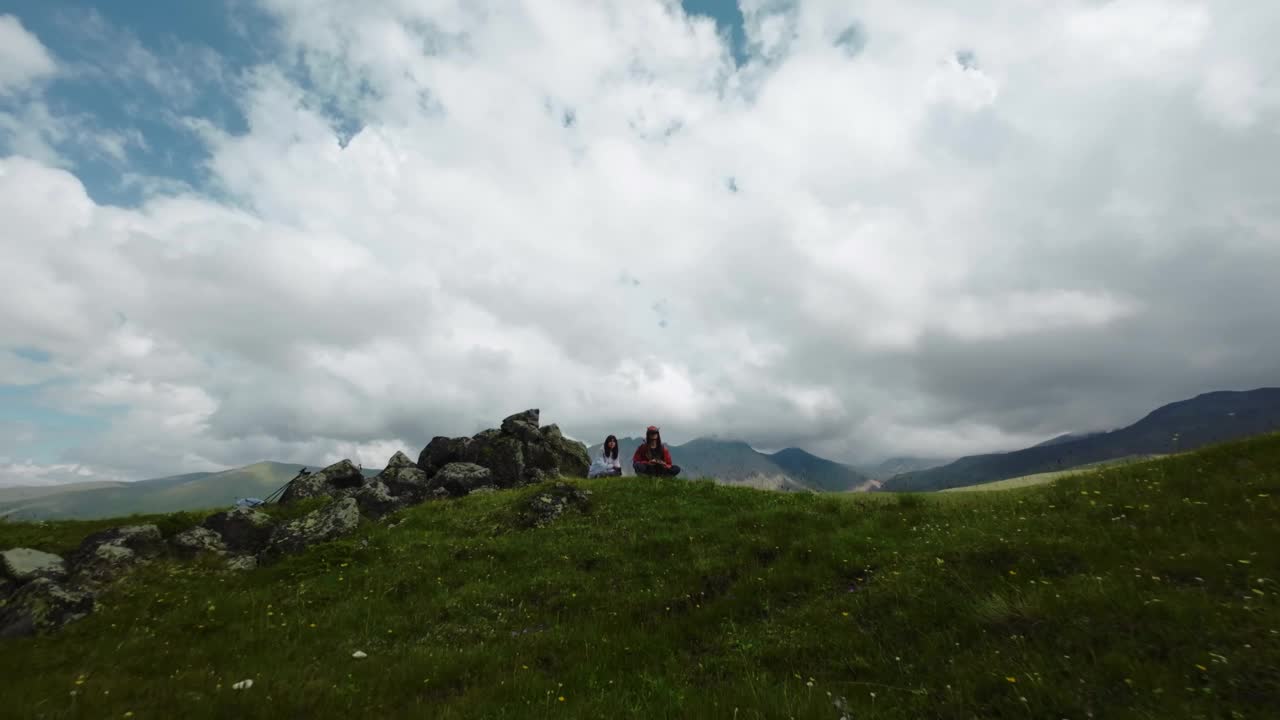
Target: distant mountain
pixel 1064 438
pixel 737 463
pixel 899 465
pixel 1185 425
pixel 192 491
pixel 31 492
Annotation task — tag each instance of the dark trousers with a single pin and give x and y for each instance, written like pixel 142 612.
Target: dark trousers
pixel 656 469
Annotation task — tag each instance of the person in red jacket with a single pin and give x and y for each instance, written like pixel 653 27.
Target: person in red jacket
pixel 653 458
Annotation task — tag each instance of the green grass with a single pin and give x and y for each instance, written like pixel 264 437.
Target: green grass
pixel 1143 591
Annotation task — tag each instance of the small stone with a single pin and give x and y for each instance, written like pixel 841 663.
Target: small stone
pixel 242 685
pixel 359 655
pixel 241 563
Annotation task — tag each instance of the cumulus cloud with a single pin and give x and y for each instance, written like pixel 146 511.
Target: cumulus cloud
pixel 933 235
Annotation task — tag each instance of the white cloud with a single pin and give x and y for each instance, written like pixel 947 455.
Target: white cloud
pixel 24 60
pixel 442 214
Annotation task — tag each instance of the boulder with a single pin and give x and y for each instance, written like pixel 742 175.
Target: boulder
pixel 522 426
pixel 399 460
pixel 404 478
pixel 104 555
pixel 541 508
pixel 240 563
pixel 23 565
pixel 342 475
pixel 567 457
pixel 243 529
pixel 503 456
pixel 440 452
pixel 327 523
pixel 42 605
pixel 461 478
pixel 198 540
pixel 376 499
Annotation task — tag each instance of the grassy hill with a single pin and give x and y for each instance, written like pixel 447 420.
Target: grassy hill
pixel 1149 590
pixel 19 493
pixel 1048 477
pixel 1185 425
pixel 191 491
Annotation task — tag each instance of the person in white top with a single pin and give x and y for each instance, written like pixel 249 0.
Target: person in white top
pixel 607 464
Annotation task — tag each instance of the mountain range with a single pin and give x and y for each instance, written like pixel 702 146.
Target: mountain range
pixel 1177 427
pixel 160 495
pixel 737 463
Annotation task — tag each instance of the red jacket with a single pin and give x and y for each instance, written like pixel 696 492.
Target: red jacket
pixel 642 455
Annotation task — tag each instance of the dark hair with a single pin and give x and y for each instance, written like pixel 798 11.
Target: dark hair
pixel 612 455
pixel 653 433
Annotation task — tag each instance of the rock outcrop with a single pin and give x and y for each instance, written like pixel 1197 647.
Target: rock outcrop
pixel 42 605
pixel 198 540
pixel 327 523
pixel 21 565
pixel 331 481
pixel 243 530
pixel 519 453
pixel 104 555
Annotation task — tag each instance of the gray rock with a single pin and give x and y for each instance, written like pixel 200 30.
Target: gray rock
pixel 376 500
pixel 241 563
pixel 409 482
pixel 327 482
pixel 460 478
pixel 399 460
pixel 243 529
pixel 439 494
pixel 105 555
pixel 503 456
pixel 42 605
pixel 327 523
pixel 197 540
pixel 24 565
pixel 440 452
pixel 522 426
pixel 542 508
pixel 484 489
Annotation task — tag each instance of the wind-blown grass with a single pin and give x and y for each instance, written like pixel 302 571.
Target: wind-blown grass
pixel 1141 591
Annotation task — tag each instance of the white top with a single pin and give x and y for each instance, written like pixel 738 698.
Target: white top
pixel 603 464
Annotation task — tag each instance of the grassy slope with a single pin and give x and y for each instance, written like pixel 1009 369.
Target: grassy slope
pixel 1146 591
pixel 1048 477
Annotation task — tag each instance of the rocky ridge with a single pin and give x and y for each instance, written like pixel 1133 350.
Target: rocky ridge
pixel 40 592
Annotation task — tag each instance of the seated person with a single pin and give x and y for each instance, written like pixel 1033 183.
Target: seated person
pixel 607 464
pixel 653 458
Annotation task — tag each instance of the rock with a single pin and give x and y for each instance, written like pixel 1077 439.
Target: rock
pixel 403 478
pixel 439 494
pixel 7 588
pixel 460 478
pixel 484 489
pixel 42 605
pixel 242 685
pixel 399 460
pixel 544 507
pixel 198 540
pixel 565 457
pixel 440 452
pixel 359 654
pixel 503 456
pixel 522 426
pixel 327 523
pixel 241 563
pixel 376 500
pixel 104 555
pixel 243 530
pixel 342 475
pixel 24 565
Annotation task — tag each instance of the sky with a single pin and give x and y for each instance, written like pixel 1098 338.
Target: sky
pixel 303 230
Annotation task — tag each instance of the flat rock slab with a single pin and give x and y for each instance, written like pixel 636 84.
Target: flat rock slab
pixel 24 565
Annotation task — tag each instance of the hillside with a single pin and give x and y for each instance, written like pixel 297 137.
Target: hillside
pixel 1185 425
pixel 898 465
pixel 191 491
pixel 737 463
pixel 16 493
pixel 1147 590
